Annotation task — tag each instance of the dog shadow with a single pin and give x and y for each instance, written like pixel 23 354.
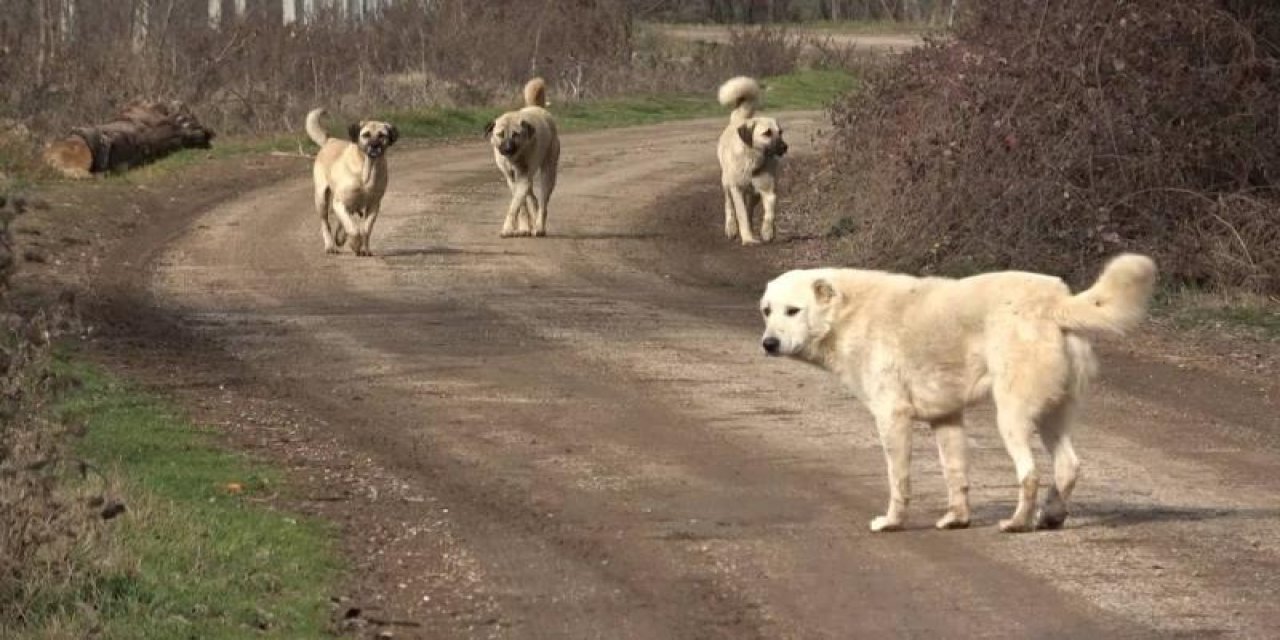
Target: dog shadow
pixel 605 236
pixel 1113 515
pixel 439 251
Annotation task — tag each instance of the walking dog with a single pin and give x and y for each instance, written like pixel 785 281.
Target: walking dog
pixel 526 148
pixel 350 179
pixel 749 149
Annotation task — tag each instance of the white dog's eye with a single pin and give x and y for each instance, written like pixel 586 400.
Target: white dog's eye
pixel 791 311
pixel 765 311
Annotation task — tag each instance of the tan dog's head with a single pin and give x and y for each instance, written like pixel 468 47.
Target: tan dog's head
pixel 509 134
pixel 799 308
pixel 372 137
pixel 764 135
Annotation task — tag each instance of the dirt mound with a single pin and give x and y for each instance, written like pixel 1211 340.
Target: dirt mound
pixel 1047 136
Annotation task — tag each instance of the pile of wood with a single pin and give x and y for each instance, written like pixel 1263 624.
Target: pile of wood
pixel 144 131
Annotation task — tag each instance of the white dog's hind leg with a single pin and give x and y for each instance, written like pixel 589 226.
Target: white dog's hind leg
pixel 770 200
pixel 1016 427
pixel 743 215
pixel 953 453
pixel 1054 428
pixel 895 437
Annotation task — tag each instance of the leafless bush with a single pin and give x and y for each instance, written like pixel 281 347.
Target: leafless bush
pixel 1049 135
pixel 43 521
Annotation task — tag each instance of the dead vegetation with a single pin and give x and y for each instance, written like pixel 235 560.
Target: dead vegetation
pixel 1046 136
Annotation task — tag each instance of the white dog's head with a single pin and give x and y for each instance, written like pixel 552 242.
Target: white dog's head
pixel 764 135
pixel 798 308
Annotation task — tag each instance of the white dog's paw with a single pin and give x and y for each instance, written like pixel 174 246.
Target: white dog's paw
pixel 731 231
pixel 767 234
pixel 1014 526
pixel 332 249
pixel 750 242
pixel 952 521
pixel 883 523
pixel 508 233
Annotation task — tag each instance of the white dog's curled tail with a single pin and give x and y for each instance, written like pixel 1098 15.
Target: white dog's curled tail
pixel 741 93
pixel 1117 302
pixel 535 93
pixel 314 130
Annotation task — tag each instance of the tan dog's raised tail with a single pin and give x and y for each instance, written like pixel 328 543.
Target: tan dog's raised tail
pixel 350 179
pixel 749 149
pixel 526 148
pixel 923 349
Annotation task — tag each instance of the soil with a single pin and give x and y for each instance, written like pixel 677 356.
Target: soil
pixel 577 436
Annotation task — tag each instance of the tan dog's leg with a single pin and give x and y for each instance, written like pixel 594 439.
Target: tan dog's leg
pixel 730 220
pixel 370 217
pixel 743 215
pixel 519 192
pixel 546 184
pixel 1054 427
pixel 1016 427
pixel 895 437
pixel 770 200
pixel 348 224
pixel 528 214
pixel 322 208
pixel 953 453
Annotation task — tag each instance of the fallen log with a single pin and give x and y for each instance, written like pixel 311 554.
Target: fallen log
pixel 143 131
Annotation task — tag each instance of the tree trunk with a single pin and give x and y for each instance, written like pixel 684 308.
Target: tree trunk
pixel 144 131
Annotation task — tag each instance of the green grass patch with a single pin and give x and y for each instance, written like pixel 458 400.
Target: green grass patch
pixel 189 558
pixel 810 89
pixel 1254 315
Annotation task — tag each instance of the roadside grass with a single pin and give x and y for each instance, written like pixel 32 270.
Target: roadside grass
pixel 191 556
pixel 856 27
pixel 1190 309
pixel 809 89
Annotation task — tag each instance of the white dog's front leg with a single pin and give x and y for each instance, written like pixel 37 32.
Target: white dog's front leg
pixel 743 215
pixel 895 437
pixel 519 191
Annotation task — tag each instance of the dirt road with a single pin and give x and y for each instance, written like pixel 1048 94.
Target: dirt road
pixel 874 42
pixel 584 440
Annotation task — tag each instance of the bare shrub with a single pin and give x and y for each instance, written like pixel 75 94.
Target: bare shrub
pixel 1048 135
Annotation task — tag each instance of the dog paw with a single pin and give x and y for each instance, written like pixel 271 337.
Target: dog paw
pixel 883 523
pixel 1014 526
pixel 332 250
pixel 952 521
pixel 1051 520
pixel 750 242
pixel 731 232
pixel 766 234
pixel 507 233
pixel 541 233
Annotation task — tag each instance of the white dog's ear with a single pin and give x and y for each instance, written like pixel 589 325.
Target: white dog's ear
pixel 823 292
pixel 745 132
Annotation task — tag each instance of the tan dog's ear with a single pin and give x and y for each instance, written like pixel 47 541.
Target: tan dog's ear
pixel 527 128
pixel 745 132
pixel 353 131
pixel 393 134
pixel 488 128
pixel 823 292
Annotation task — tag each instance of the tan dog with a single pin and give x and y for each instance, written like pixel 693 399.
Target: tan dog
pixel 923 349
pixel 749 150
pixel 526 148
pixel 350 178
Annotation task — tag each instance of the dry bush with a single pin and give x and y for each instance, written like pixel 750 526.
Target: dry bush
pixel 1047 136
pixel 44 522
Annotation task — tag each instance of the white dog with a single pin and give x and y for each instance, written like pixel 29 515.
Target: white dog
pixel 749 149
pixel 923 349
